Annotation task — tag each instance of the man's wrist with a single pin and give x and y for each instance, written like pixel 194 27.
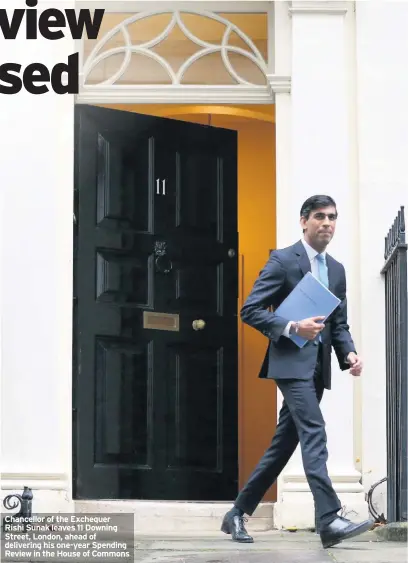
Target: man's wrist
pixel 294 327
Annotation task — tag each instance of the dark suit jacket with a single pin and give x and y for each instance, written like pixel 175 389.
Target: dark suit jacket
pixel 284 360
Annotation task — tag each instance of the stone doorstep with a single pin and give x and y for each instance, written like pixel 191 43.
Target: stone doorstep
pixel 190 517
pixel 203 518
pixel 395 532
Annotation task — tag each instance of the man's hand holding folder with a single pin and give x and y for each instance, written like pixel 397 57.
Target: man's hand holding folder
pixel 311 301
pixel 310 328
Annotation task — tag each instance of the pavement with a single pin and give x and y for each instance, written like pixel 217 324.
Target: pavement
pixel 269 547
pixel 275 546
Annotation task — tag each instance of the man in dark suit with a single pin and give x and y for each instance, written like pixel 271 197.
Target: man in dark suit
pixel 300 373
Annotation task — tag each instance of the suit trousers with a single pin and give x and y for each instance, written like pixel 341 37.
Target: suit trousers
pixel 300 420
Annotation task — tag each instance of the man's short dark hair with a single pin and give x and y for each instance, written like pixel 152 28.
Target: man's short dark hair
pixel 316 202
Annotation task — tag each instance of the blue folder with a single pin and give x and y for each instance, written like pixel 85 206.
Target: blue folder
pixel 310 298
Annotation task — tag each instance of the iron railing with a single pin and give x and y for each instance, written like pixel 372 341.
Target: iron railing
pixel 394 272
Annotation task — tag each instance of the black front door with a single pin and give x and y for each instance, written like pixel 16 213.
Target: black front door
pixel 155 308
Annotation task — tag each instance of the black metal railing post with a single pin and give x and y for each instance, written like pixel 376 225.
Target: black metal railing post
pixel 394 272
pixel 25 500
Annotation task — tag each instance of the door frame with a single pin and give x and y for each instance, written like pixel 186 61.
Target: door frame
pixel 249 114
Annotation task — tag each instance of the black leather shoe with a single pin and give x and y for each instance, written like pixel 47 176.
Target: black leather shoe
pixel 341 529
pixel 234 525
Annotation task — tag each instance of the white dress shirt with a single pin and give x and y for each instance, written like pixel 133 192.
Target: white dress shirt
pixel 312 253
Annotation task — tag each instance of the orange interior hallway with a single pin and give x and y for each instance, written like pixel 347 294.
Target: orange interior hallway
pixel 257 235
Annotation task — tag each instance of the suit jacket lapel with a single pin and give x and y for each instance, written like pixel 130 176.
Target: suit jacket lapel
pixel 330 272
pixel 304 264
pixel 303 258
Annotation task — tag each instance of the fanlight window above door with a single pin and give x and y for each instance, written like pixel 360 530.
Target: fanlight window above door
pixel 177 48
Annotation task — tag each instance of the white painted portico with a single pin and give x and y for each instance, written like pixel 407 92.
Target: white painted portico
pixel 341 129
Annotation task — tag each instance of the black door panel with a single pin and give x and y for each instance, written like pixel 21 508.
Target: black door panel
pixel 156 220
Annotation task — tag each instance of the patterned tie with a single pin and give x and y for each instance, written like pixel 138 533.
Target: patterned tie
pixel 323 275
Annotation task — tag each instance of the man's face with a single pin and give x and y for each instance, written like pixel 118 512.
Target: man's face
pixel 320 226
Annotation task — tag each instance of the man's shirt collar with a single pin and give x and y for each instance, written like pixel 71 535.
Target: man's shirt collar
pixel 311 252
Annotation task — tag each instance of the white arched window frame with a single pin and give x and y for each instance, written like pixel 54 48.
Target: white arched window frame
pixel 242 92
